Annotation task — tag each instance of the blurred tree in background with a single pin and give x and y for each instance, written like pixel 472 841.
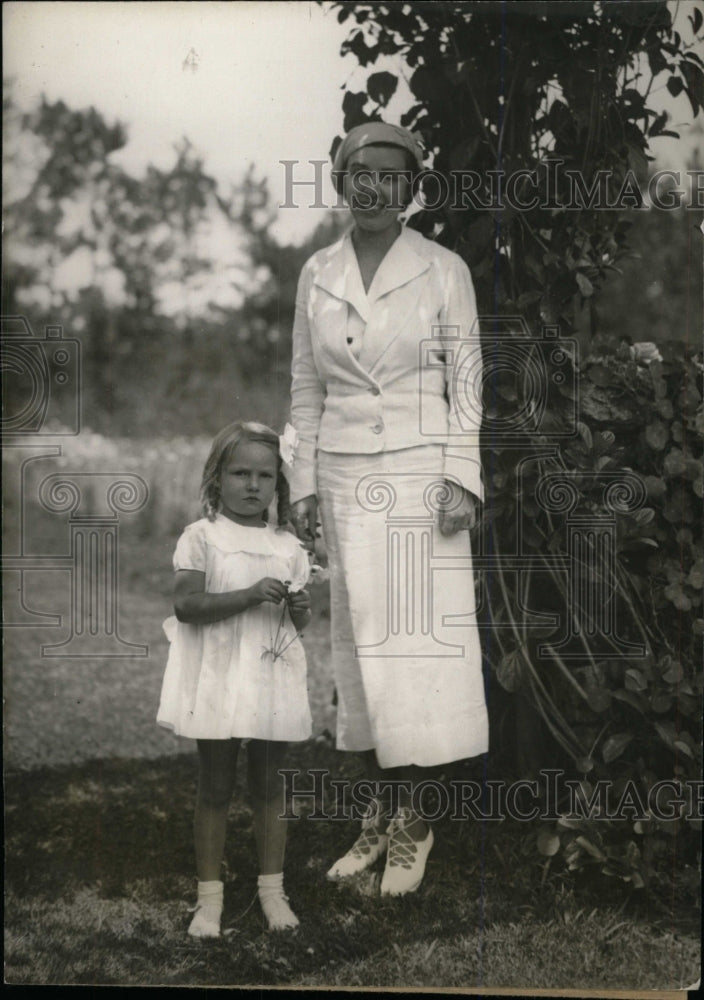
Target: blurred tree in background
pixel 180 294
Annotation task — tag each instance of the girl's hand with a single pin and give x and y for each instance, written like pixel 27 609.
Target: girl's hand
pixel 268 590
pixel 304 517
pixel 460 510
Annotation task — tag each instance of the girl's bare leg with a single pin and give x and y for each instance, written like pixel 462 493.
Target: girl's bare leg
pixel 266 788
pixel 265 758
pixel 216 783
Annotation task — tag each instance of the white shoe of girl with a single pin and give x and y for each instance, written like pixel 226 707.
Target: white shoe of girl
pixel 274 903
pixel 206 922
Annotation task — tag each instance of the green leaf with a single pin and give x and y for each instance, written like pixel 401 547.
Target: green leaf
pixel 585 434
pixel 644 516
pixel 675 463
pixel 614 746
pixel 695 84
pixel 658 124
pixel 667 733
pixel 655 487
pixel 569 823
pixel 600 375
pixel 696 575
pixel 591 848
pixel 661 702
pixel 381 87
pixel 548 843
pixel 598 699
pixel 585 285
pixel 674 592
pixel 630 698
pixel 508 671
pixel 657 435
pixel 635 681
pixel 674 674
pixel 353 108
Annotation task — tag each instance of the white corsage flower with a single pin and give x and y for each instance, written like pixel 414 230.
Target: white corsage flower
pixel 288 442
pixel 319 574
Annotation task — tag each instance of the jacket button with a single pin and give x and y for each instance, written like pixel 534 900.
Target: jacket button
pixel 375 390
pixel 378 428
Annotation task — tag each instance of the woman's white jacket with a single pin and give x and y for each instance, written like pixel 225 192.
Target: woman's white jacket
pixel 416 378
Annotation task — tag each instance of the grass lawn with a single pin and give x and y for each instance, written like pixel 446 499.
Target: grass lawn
pixel 99 863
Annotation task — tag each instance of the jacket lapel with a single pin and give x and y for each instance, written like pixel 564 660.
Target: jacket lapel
pixel 399 267
pixel 340 277
pixel 385 321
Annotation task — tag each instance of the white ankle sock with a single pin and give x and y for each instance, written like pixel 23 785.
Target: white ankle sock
pixel 274 903
pixel 206 922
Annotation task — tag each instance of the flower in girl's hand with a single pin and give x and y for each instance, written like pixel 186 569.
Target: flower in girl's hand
pixel 281 641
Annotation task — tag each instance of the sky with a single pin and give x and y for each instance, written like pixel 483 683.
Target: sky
pixel 247 82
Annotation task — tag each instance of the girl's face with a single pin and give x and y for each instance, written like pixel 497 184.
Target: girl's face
pixel 375 187
pixel 248 482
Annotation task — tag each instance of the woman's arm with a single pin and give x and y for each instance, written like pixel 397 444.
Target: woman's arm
pixel 307 396
pixel 196 607
pixel 463 376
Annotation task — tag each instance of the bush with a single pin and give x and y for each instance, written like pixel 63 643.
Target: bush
pixel 632 478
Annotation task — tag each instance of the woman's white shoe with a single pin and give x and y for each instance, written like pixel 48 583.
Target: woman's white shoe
pixel 405 862
pixel 367 848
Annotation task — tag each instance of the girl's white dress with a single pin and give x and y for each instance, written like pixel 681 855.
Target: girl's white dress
pixel 224 680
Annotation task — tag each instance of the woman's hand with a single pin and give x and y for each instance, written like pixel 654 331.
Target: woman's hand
pixel 304 517
pixel 458 512
pixel 299 608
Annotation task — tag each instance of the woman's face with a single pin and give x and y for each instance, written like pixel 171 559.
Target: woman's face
pixel 377 186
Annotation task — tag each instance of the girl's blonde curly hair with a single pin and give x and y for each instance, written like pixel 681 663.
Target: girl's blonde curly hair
pixel 220 452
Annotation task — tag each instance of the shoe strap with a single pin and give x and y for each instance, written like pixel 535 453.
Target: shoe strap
pixel 364 843
pixel 402 847
pixel 402 853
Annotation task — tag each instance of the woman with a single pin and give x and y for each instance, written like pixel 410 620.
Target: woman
pixel 388 447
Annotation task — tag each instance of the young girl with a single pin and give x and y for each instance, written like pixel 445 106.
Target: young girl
pixel 236 667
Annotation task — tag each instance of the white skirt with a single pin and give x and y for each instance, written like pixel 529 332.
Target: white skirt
pixel 405 645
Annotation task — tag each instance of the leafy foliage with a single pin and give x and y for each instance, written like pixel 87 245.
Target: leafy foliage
pixel 561 93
